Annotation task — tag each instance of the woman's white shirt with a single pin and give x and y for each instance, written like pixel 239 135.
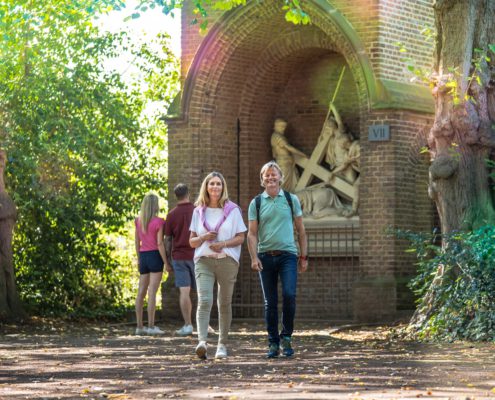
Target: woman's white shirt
pixel 232 225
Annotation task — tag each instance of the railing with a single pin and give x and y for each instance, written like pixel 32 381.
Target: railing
pixel 324 291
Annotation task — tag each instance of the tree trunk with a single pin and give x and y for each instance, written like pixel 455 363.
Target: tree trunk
pixel 463 134
pixel 10 304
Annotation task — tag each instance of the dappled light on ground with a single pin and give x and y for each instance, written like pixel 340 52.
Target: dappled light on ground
pixel 107 361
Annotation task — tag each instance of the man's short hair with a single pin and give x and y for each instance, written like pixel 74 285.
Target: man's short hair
pixel 181 191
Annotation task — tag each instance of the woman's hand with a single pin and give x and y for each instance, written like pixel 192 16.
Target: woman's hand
pixel 208 236
pixel 217 246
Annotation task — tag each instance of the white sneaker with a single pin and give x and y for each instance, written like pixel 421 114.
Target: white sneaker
pixel 221 351
pixel 211 330
pixel 186 330
pixel 141 331
pixel 155 331
pixel 201 350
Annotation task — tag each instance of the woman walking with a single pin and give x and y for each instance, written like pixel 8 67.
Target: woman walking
pixel 151 255
pixel 217 233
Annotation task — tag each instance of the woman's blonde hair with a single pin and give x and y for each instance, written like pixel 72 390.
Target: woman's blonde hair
pixel 203 199
pixel 149 209
pixel 267 166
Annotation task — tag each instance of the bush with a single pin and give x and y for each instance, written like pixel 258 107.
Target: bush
pixel 458 278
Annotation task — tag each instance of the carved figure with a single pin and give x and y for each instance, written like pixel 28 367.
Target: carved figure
pixel 319 202
pixel 351 161
pixel 339 143
pixel 283 153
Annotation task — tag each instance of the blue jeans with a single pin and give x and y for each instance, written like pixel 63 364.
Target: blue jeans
pixel 284 265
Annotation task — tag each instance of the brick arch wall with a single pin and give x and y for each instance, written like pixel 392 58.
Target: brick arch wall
pixel 251 68
pixel 254 33
pixel 250 46
pixel 234 76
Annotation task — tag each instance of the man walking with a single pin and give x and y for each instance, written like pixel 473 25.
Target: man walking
pixel 274 253
pixel 180 254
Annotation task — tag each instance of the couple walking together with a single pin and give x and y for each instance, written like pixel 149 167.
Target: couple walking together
pixel 217 232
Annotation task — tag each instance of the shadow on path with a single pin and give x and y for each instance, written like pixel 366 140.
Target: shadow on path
pixel 103 361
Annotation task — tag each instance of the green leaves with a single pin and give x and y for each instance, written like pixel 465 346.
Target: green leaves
pixel 459 278
pixel 294 10
pixel 81 153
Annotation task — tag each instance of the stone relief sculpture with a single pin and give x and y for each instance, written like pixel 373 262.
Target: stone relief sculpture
pixel 319 202
pixel 351 165
pixel 342 154
pixel 283 153
pixel 338 192
pixel 339 142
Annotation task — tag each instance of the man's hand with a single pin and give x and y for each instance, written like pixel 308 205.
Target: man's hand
pixel 256 265
pixel 303 265
pixel 169 268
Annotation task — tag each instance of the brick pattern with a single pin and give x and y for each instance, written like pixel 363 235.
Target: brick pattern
pixel 259 67
pixel 380 24
pixel 392 172
pixel 402 21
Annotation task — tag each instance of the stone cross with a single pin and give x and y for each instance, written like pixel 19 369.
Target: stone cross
pixel 312 168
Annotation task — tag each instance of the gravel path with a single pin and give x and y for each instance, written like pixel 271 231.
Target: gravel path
pixel 56 361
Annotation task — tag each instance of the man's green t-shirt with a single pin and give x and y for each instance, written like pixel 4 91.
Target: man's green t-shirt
pixel 275 227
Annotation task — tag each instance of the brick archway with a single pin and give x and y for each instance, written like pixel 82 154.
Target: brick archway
pixel 244 71
pixel 252 24
pixel 246 43
pixel 253 66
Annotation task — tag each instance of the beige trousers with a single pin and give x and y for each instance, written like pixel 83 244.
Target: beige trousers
pixel 224 271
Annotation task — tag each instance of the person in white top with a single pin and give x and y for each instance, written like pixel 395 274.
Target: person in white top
pixel 217 233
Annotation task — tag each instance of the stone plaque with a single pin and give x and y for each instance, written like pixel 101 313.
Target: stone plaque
pixel 378 133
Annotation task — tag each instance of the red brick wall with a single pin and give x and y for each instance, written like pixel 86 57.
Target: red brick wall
pixel 380 24
pixel 258 68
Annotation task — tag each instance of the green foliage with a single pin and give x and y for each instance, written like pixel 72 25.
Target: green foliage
pixel 81 151
pixel 460 278
pixel 294 9
pixel 452 80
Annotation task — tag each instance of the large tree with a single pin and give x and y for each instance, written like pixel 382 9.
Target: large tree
pixel 462 138
pixel 463 134
pixel 80 158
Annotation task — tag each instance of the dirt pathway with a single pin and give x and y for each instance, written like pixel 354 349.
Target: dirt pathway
pixel 104 361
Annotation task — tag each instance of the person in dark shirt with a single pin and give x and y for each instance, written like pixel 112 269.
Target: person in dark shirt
pixel 180 255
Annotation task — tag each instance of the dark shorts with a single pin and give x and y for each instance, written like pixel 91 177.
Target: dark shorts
pixel 150 261
pixel 184 273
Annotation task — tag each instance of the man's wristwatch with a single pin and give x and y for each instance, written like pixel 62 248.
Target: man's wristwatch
pixel 305 258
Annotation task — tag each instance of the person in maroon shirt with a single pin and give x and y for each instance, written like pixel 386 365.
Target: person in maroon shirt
pixel 179 254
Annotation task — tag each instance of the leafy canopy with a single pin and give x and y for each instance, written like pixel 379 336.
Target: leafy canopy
pixel 81 154
pixel 293 9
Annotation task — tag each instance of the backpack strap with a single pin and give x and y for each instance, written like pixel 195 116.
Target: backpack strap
pixel 257 201
pixel 288 197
